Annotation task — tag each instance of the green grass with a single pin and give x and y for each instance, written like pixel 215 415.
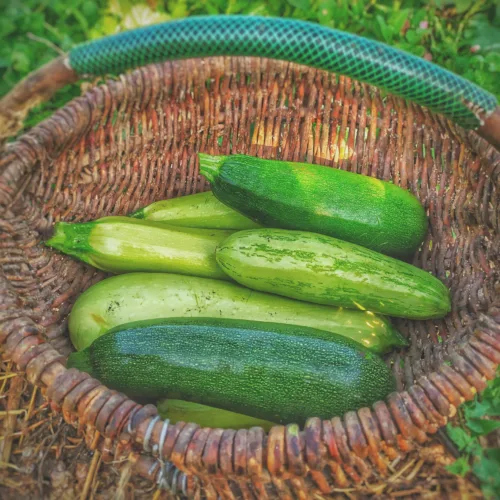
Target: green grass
pixel 463 36
pixel 477 419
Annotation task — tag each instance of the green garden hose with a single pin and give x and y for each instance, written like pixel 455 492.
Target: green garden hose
pixel 302 42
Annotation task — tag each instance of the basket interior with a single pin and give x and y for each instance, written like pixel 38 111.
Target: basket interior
pixel 133 141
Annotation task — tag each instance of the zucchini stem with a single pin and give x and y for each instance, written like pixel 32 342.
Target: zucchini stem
pixel 80 360
pixel 138 214
pixel 71 239
pixel 210 165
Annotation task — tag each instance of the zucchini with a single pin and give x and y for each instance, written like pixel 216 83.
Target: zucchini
pixel 321 269
pixel 352 207
pixel 281 373
pixel 121 244
pixel 141 296
pixel 177 410
pixel 202 210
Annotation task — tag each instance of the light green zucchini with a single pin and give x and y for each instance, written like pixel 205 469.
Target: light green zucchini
pixel 177 410
pixel 122 244
pixel 202 210
pixel 145 296
pixel 324 270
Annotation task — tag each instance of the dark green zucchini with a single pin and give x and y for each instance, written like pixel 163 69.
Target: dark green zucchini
pixel 277 372
pixel 348 206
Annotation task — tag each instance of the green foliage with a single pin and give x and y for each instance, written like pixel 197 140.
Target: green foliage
pixel 121 15
pixel 33 32
pixel 483 462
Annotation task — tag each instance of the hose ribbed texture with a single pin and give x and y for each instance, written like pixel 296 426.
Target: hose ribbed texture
pixel 302 42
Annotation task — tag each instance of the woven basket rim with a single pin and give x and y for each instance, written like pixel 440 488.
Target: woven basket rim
pixel 404 420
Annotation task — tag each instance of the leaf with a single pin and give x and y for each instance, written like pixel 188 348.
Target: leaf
pixel 488 37
pixel 20 61
pixel 490 398
pixel 385 29
pixel 418 16
pixel 300 4
pixel 178 9
pixel 141 15
pixel 81 19
pixel 493 454
pixel 481 427
pixel 5 27
pixel 477 409
pixel 486 469
pixel 460 466
pixel 414 36
pixel 474 448
pixel 89 9
pixel 398 20
pixel 462 5
pixel 325 12
pixel 458 436
pixel 258 9
pixel 122 15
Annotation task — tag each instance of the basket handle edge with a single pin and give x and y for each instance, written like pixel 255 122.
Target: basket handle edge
pixel 37 87
pixel 490 130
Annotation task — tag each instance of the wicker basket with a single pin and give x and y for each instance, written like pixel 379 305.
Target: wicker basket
pixel 131 141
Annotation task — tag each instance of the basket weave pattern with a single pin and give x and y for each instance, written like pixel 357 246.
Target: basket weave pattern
pixel 132 141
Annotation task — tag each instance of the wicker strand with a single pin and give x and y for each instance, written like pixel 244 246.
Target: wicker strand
pixel 133 141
